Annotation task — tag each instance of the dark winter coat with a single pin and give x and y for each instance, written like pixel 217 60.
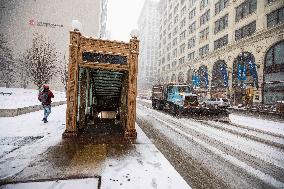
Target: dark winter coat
pixel 48 101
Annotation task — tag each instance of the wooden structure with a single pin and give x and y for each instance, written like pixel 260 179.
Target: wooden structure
pixel 102 76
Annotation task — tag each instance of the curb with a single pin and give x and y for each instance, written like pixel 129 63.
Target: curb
pixel 25 110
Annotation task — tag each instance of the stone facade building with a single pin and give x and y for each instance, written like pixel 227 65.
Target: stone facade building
pixel 148 25
pixel 21 19
pixel 224 48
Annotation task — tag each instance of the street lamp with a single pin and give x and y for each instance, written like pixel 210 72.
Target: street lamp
pixel 134 33
pixel 76 25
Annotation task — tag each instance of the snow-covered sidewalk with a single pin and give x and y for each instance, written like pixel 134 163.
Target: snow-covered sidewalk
pixel 20 97
pixel 31 149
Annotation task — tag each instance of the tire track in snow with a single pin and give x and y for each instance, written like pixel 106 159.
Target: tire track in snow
pixel 218 148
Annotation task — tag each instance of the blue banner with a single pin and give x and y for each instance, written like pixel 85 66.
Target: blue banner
pixel 206 78
pixel 253 73
pixel 224 74
pixel 244 75
pixel 195 81
pixel 240 71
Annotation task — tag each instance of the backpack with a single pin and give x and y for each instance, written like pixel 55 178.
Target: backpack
pixel 44 97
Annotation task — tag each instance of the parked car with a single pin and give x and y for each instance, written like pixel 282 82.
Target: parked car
pixel 216 103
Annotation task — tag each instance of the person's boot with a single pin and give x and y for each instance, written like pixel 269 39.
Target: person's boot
pixel 45 120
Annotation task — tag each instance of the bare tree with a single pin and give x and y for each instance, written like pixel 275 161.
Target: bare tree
pixel 63 71
pixel 41 58
pixel 23 71
pixel 6 63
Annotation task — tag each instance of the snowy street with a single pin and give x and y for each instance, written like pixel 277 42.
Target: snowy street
pixel 247 152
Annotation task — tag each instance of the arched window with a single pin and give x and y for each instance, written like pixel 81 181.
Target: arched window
pixel 274 61
pixel 273 74
pixel 219 75
pixel 203 75
pixel 189 76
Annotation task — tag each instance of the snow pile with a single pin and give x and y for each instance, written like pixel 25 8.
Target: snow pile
pixel 276 127
pixel 24 97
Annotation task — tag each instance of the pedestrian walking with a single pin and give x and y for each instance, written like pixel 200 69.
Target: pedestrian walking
pixel 45 98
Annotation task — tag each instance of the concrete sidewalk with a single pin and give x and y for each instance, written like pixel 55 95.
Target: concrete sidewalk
pixel 112 162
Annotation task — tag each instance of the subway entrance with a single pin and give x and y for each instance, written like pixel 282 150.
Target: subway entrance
pixel 102 86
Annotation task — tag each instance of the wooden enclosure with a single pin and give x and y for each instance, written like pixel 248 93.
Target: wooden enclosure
pixel 102 76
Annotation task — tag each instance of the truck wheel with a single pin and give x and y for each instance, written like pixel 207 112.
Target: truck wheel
pixel 154 105
pixel 160 106
pixel 172 109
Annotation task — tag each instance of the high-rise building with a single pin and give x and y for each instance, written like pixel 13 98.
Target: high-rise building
pixel 224 48
pixel 21 19
pixel 148 25
pixel 103 19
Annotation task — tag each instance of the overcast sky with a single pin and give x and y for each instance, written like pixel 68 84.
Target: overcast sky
pixel 123 17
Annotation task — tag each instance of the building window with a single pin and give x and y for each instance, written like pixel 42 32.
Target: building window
pixel 246 8
pixel 221 24
pixel 169 36
pixel 223 41
pixel 270 1
pixel 204 34
pixel 165 21
pixel 170 16
pixel 176 19
pixel 190 56
pixel 191 3
pixel 182 36
pixel 274 59
pixel 245 31
pixel 205 17
pixel 182 49
pixel 170 26
pixel 176 8
pixel 163 60
pixel 220 5
pixel 183 10
pixel 203 4
pixel 181 60
pixel 191 14
pixel 174 63
pixel 275 18
pixel 192 27
pixel 175 53
pixel 169 46
pixel 204 50
pixel 168 56
pixel 174 41
pixel 191 43
pixel 182 24
pixel 175 30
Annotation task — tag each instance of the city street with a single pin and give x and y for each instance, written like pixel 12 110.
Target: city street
pixel 142 94
pixel 248 152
